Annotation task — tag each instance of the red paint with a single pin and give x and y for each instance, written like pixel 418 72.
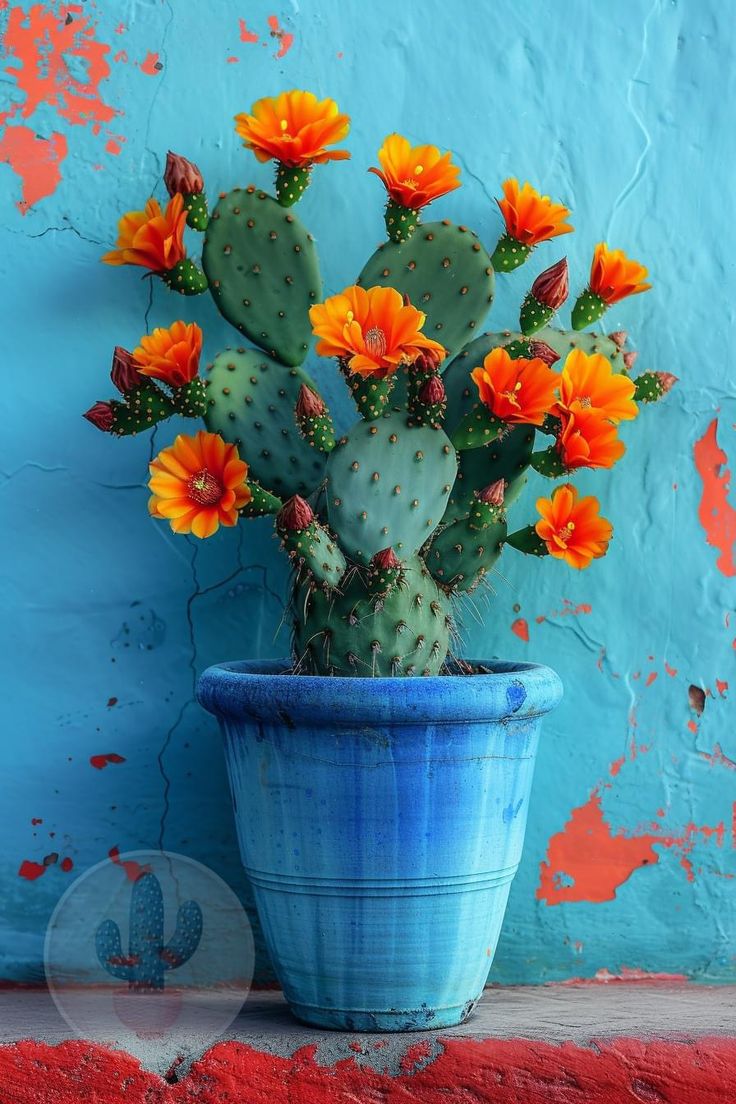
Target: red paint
pixel 650 678
pixel 568 610
pixel 121 56
pixel 37 161
pixel 521 628
pixel 627 975
pixel 40 44
pixel 31 870
pixel 150 64
pixel 468 1071
pixel 99 762
pixel 693 726
pixel 718 758
pixel 416 1055
pixel 716 514
pixel 245 34
pixel 113 147
pixel 671 671
pixel 286 40
pixel 133 870
pixel 66 865
pixel 721 687
pixel 232 60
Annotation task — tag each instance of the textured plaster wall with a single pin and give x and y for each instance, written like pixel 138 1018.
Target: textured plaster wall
pixel 624 112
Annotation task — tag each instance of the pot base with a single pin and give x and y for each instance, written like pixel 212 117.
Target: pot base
pixel 361 1020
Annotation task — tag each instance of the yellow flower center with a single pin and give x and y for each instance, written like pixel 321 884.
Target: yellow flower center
pixel 566 533
pixel 512 396
pixel 585 402
pixel 204 488
pixel 410 182
pixel 375 341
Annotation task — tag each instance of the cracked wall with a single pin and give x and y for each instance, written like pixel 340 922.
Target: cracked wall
pixel 624 114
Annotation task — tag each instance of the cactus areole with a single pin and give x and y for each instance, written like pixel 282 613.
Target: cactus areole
pixel 355 767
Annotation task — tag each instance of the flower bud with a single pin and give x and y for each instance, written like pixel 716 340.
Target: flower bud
pixel 295 515
pixel 124 372
pixel 667 380
pixel 101 415
pixel 308 403
pixel 493 494
pixel 629 359
pixel 433 391
pixel 551 287
pixel 385 559
pixel 619 337
pixel 427 361
pixel 182 176
pixel 542 351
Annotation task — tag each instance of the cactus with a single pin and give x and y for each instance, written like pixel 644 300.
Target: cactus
pixel 388 526
pixel 446 273
pixel 148 958
pixel 263 272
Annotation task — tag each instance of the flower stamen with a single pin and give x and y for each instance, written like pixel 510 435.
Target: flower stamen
pixel 204 488
pixel 375 341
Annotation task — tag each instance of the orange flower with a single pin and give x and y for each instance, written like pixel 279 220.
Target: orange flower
pixel 515 390
pixel 531 218
pixel 170 355
pixel 294 128
pixel 373 330
pixel 198 484
pixel 572 527
pixel 589 382
pixel 151 238
pixel 415 175
pixel 613 276
pixel 588 440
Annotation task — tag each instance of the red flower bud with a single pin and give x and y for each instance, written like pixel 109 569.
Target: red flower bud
pixel 101 415
pixel 619 337
pixel 667 380
pixel 124 372
pixel 384 560
pixel 182 176
pixel 427 361
pixel 433 391
pixel 542 351
pixel 629 359
pixel 295 515
pixel 308 403
pixel 551 287
pixel 493 494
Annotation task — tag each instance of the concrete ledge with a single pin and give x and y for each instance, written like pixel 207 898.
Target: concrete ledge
pixel 656 1043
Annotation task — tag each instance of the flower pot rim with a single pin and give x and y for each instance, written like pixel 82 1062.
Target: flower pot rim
pixel 266 690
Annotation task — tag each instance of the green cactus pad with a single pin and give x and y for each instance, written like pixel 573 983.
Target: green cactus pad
pixel 649 388
pixel 351 632
pixel 143 408
pixel 190 400
pixel 446 273
pixel 548 462
pixel 263 272
pixel 261 503
pixel 588 308
pixel 313 549
pixel 250 402
pixel 195 204
pixel 186 277
pixel 509 254
pixel 460 555
pixel 388 483
pixel 527 540
pixel 534 315
pixel 479 428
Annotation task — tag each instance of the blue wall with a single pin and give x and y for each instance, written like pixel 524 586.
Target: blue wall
pixel 622 111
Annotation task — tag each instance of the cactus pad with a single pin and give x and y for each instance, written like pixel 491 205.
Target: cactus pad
pixel 462 554
pixel 446 273
pixel 388 484
pixel 354 633
pixel 250 402
pixel 263 272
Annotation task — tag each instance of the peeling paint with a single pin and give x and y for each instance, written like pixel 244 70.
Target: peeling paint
pixel 36 160
pixel 717 515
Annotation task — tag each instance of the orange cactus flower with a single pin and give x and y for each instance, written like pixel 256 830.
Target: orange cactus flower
pixel 530 218
pixel 294 128
pixel 515 390
pixel 198 484
pixel 588 440
pixel 151 238
pixel 590 383
pixel 415 175
pixel 572 527
pixel 172 355
pixel 372 329
pixel 613 275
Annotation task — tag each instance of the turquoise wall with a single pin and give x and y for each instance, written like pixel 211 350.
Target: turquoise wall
pixel 624 112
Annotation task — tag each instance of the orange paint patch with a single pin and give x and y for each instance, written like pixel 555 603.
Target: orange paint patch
pixel 521 628
pixel 568 610
pixel 286 40
pixel 37 161
pixel 718 758
pixel 721 687
pixel 651 678
pixel 716 514
pixel 232 60
pixel 671 671
pixel 245 34
pixel 112 146
pixel 150 65
pixel 693 726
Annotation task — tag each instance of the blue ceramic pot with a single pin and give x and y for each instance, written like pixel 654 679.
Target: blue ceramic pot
pixel 381 822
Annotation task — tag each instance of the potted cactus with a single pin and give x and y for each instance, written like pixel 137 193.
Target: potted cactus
pixel 380 781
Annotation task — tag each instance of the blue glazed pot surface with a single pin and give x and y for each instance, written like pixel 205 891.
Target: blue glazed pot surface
pixel 381 822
